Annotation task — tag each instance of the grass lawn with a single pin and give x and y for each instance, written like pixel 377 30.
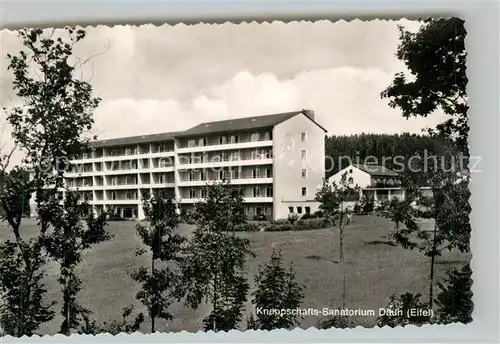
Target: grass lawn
pixel 373 270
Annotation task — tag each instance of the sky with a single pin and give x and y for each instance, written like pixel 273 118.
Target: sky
pixel 159 79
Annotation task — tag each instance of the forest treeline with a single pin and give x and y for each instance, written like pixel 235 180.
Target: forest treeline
pixel 339 149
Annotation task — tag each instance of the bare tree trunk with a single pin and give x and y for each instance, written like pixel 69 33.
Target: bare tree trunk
pixel 215 304
pixel 153 306
pixel 341 233
pixel 431 275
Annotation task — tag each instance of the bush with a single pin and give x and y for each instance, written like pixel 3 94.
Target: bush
pixel 247 227
pixel 318 214
pixel 260 217
pixel 367 204
pixel 307 216
pixel 357 208
pixel 292 218
pixel 299 225
pixel 187 218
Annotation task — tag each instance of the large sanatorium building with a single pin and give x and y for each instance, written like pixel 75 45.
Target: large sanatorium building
pixel 278 160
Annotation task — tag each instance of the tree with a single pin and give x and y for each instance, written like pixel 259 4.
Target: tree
pixel 450 211
pixel 399 311
pixel 276 289
pixel 455 299
pixel 333 200
pixel 49 128
pixel 436 58
pixel 215 257
pixel 160 285
pixel 69 239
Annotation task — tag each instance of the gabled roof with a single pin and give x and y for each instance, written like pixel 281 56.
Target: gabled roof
pixel 245 123
pixel 133 140
pixel 230 125
pixel 376 170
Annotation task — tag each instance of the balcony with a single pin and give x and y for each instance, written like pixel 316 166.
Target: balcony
pixel 234 181
pixel 245 200
pixel 226 163
pixel 226 146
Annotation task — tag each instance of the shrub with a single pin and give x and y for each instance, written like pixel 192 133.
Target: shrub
pixel 282 227
pixel 260 217
pixel 357 208
pixel 318 214
pixel 307 216
pixel 292 218
pixel 247 227
pixel 300 225
pixel 367 204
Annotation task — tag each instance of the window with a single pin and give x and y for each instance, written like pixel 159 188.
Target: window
pixel 269 173
pixel 162 178
pixel 235 174
pixel 255 173
pixel 299 210
pixel 234 138
pixel 114 181
pixel 203 142
pixel 192 193
pixel 303 137
pixel 222 140
pixel 250 211
pixel 255 137
pixel 304 191
pixel 290 210
pixel 350 170
pixel 204 157
pixel 268 211
pixel 304 173
pixel 113 196
pixel 203 193
pixel 258 211
pixel 267 136
pixel 256 192
pixel 308 210
pixel 269 191
pixel 303 154
pixel 191 143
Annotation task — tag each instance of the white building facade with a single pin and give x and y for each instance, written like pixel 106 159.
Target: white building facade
pixel 277 160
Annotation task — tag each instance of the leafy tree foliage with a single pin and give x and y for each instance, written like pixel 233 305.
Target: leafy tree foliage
pixel 333 200
pixel 436 59
pixel 160 286
pixel 276 289
pixel 215 257
pixel 455 298
pixel 49 128
pixel 397 312
pixel 72 234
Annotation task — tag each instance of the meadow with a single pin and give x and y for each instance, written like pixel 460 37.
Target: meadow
pixel 373 268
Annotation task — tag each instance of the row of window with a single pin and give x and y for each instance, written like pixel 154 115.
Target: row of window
pixel 299 210
pixel 165 147
pixel 256 192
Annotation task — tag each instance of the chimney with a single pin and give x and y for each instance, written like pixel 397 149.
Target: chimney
pixel 308 113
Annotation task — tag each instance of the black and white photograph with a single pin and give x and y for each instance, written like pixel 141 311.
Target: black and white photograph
pixel 251 176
